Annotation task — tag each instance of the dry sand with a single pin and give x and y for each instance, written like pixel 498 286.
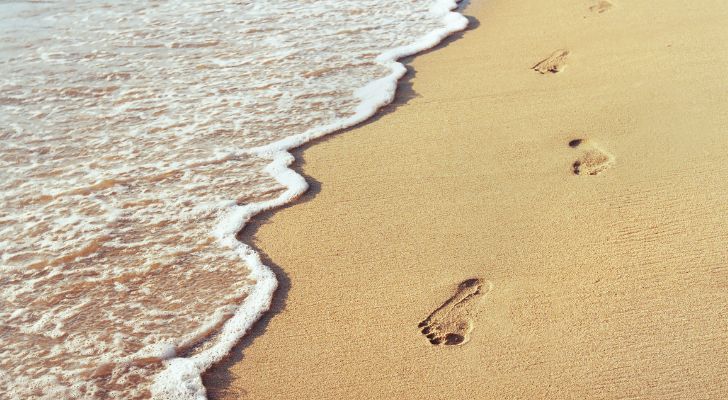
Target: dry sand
pixel 613 285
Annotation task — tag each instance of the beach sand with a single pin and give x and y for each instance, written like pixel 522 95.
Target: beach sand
pixel 609 283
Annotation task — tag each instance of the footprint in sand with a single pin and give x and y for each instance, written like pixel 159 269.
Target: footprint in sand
pixel 601 6
pixel 553 63
pixel 450 324
pixel 592 161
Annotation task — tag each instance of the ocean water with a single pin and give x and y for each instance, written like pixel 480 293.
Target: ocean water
pixel 136 139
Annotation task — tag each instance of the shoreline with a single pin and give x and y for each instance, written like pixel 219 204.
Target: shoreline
pixel 177 378
pixel 472 177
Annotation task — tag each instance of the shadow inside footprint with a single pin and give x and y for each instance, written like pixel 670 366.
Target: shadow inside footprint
pixel 600 7
pixel 451 324
pixel 553 63
pixel 592 160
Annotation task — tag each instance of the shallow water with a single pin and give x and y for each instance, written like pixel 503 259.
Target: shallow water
pixel 131 131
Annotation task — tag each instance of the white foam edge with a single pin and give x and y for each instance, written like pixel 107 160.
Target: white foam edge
pixel 181 378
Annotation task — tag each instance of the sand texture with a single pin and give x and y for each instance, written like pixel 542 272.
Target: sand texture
pixel 510 231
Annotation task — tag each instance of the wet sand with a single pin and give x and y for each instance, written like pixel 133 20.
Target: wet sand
pixel 550 188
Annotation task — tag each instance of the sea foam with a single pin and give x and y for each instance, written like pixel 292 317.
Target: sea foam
pixel 138 141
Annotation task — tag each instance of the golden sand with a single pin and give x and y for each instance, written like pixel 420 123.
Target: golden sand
pixel 601 263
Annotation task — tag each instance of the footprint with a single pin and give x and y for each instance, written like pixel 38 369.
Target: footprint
pixel 592 161
pixel 602 6
pixel 554 63
pixel 451 324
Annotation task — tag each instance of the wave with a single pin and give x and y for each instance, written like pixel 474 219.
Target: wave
pixel 182 377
